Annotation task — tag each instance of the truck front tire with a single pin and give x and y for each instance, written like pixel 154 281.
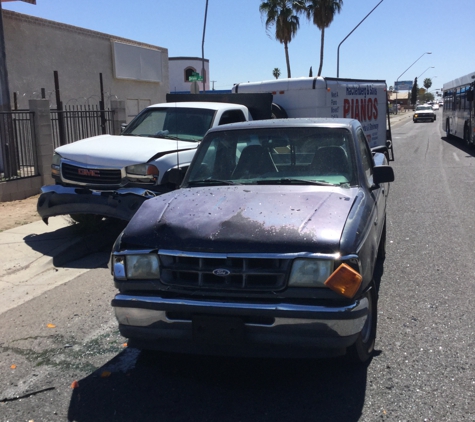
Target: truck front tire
pixel 363 349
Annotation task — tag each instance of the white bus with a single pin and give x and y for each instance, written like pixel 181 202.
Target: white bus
pixel 458 117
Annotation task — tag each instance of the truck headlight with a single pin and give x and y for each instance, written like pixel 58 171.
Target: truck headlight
pixel 141 266
pixel 310 272
pixel 56 165
pixel 142 173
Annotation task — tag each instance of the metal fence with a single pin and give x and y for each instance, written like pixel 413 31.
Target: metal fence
pixel 18 157
pixel 79 122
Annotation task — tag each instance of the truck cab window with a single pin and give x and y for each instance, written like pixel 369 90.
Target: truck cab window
pixel 232 116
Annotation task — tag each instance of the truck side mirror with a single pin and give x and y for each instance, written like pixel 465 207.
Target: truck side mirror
pixel 175 176
pixel 382 174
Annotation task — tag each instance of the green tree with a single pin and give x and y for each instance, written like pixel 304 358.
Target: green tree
pixel 425 96
pixel 321 12
pixel 276 72
pixel 281 14
pixel 427 83
pixel 415 88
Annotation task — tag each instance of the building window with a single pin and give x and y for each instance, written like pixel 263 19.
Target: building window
pixel 188 72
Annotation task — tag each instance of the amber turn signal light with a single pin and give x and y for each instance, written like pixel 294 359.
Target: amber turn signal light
pixel 344 281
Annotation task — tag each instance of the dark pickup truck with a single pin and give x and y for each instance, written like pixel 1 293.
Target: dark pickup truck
pixel 267 249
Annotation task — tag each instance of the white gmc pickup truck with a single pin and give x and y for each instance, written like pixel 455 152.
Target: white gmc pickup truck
pixel 112 175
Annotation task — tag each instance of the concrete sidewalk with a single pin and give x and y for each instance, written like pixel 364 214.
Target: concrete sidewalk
pixel 37 257
pixel 396 118
pixel 27 254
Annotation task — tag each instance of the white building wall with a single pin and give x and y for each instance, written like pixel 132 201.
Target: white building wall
pixel 177 69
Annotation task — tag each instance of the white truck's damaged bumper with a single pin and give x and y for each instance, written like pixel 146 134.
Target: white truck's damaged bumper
pixel 237 328
pixel 121 203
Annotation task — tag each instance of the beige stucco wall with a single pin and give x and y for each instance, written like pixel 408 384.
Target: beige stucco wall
pixel 35 48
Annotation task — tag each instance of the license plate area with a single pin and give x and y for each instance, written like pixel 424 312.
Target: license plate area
pixel 217 329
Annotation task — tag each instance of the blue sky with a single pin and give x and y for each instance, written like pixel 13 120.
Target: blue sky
pixel 394 36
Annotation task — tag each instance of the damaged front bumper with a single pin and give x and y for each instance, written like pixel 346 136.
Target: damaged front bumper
pixel 236 328
pixel 121 204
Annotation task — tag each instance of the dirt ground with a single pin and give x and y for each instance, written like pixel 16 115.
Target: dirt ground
pixel 18 213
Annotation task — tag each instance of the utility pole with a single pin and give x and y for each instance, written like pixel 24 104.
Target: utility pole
pixel 344 39
pixel 397 80
pixel 203 50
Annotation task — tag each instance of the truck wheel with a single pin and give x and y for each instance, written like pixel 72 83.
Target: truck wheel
pixel 382 243
pixel 278 112
pixel 466 136
pixel 362 350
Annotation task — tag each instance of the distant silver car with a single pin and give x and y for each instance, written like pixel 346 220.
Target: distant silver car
pixel 424 113
pixel 435 106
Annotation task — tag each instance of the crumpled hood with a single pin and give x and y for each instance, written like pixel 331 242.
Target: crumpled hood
pixel 243 219
pixel 120 151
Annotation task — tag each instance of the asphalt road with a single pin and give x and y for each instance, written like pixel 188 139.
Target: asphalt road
pixel 70 363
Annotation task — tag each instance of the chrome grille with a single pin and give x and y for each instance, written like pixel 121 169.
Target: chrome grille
pixel 90 176
pixel 251 274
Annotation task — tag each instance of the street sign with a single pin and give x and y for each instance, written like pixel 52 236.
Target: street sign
pixel 195 77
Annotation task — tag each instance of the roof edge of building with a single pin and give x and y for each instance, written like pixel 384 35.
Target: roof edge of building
pixel 88 32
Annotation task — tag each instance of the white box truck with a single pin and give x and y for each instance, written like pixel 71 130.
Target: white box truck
pixel 360 99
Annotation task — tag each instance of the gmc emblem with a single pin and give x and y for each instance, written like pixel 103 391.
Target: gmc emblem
pixel 91 173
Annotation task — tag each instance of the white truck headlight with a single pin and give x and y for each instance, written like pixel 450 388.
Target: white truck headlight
pixel 310 272
pixel 141 170
pixel 56 164
pixel 142 173
pixel 140 266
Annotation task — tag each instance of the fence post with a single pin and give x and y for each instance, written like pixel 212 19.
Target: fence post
pixel 43 138
pixel 119 116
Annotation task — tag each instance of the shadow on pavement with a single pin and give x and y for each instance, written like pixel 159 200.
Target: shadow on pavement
pixel 69 244
pixel 167 387
pixel 460 144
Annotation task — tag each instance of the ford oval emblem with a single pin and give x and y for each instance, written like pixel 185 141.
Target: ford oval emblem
pixel 221 272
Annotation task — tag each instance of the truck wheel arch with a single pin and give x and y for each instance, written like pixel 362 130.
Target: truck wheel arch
pixel 278 112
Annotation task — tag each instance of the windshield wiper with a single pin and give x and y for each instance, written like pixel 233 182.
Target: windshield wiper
pixel 210 181
pixel 287 181
pixel 157 135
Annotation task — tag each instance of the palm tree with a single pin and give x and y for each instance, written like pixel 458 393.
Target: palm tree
pixel 281 14
pixel 321 12
pixel 276 72
pixel 427 83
